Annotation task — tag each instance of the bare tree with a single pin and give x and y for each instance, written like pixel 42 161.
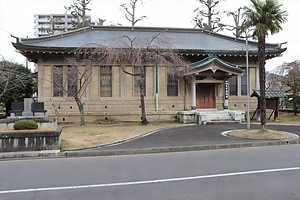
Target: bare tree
pixel 74 81
pixel 78 9
pixel 239 22
pixel 13 76
pixel 130 14
pixel 291 73
pixel 208 13
pixel 139 53
pixel 274 81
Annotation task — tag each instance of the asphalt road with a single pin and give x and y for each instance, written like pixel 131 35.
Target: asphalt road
pixel 246 173
pixel 194 135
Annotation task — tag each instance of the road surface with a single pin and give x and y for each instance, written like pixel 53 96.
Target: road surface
pixel 246 173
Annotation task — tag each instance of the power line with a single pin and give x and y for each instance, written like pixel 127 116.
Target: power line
pixel 5 30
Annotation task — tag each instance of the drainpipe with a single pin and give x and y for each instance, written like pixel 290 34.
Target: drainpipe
pixel 156 85
pixel 185 94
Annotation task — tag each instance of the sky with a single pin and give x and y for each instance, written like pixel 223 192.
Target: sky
pixel 17 18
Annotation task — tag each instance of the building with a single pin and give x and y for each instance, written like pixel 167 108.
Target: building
pixel 217 75
pixel 52 24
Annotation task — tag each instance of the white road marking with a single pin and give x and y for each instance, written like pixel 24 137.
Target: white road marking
pixel 148 182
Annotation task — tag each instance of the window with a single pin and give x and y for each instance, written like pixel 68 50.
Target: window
pixel 232 85
pixel 64 83
pixel 57 81
pixel 244 82
pixel 138 80
pixel 172 82
pixel 105 81
pixel 72 80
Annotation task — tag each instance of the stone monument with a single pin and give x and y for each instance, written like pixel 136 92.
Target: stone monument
pixel 27 107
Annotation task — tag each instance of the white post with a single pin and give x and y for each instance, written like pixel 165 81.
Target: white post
pixel 193 95
pixel 248 85
pixel 226 104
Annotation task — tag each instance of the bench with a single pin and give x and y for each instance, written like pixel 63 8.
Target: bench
pixel 38 107
pixel 16 107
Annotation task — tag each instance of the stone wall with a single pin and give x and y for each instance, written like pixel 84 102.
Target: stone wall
pixel 31 140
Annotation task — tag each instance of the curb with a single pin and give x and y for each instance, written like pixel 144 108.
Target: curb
pixel 57 154
pixel 175 149
pixel 30 154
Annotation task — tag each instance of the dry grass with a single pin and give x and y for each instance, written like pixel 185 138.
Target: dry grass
pixel 259 135
pixel 287 118
pixel 96 134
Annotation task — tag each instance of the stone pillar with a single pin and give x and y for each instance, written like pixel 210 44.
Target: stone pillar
pixel 226 95
pixel 27 107
pixel 193 90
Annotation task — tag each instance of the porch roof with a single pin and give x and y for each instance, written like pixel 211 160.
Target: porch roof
pixel 214 63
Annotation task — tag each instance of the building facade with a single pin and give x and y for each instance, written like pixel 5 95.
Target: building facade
pixel 215 79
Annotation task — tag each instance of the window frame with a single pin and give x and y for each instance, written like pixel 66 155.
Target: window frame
pixel 172 81
pixel 230 81
pixel 57 88
pixel 73 85
pixel 105 85
pixel 244 82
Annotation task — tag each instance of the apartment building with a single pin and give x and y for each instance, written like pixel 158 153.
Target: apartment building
pixel 52 24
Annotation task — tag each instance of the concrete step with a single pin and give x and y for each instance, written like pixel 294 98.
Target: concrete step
pixel 220 116
pixel 222 122
pixel 221 119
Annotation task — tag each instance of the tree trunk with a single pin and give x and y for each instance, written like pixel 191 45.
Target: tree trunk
pixel 295 100
pixel 143 109
pixel 262 80
pixel 209 18
pixel 81 111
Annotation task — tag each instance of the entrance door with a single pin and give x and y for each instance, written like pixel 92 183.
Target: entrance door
pixel 205 95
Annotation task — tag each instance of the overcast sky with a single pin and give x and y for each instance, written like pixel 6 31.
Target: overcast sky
pixel 17 18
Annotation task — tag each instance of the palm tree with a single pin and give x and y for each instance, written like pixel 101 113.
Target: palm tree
pixel 264 16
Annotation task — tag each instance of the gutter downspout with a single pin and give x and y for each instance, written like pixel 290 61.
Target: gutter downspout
pixel 156 89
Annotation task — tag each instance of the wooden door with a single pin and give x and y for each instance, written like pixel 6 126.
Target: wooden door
pixel 205 95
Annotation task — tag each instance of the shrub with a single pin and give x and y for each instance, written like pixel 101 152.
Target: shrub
pixel 105 120
pixel 25 125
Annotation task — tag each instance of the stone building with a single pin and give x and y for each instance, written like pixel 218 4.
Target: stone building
pixel 217 73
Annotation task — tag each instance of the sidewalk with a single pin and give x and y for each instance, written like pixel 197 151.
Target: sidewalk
pixel 185 138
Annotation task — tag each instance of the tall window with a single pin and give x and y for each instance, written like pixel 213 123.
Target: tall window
pixel 105 81
pixel 172 82
pixel 233 85
pixel 244 83
pixel 57 81
pixel 72 80
pixel 138 80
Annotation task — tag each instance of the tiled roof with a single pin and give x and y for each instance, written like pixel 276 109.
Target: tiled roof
pixel 214 59
pixel 184 40
pixel 269 94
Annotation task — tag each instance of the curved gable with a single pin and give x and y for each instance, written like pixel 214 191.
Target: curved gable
pixel 213 63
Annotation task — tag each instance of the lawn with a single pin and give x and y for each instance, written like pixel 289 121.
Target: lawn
pixel 287 118
pixel 99 134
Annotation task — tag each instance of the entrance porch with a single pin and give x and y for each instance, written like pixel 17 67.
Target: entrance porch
pixel 210 80
pixel 209 83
